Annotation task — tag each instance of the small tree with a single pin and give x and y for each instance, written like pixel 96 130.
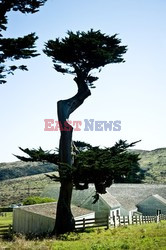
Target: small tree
pixel 16 48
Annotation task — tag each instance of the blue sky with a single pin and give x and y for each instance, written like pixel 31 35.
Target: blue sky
pixel 133 92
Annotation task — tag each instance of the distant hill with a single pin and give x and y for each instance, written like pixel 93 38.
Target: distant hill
pixel 19 180
pixel 18 169
pixel 154 163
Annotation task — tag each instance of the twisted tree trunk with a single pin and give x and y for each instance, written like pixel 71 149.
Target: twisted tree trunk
pixel 64 218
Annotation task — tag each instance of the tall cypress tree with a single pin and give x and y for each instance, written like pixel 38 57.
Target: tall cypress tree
pixel 77 54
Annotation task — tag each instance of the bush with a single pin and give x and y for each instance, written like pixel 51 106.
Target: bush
pixel 37 200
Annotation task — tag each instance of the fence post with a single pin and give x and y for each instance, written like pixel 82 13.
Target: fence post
pixel 108 221
pixel 142 219
pixel 83 223
pixel 119 220
pixel 158 215
pixel 149 219
pixel 128 220
pixel 145 219
pixel 124 220
pixel 157 219
pixel 10 229
pixel 114 221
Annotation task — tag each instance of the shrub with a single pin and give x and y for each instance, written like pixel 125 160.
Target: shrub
pixel 37 200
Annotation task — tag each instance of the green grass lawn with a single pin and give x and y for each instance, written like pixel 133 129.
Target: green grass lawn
pixel 6 220
pixel 137 237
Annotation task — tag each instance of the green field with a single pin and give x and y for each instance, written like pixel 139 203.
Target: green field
pixel 136 237
pixel 5 221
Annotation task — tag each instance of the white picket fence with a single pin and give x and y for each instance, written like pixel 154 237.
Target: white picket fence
pixel 116 221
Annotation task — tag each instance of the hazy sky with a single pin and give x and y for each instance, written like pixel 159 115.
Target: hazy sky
pixel 132 92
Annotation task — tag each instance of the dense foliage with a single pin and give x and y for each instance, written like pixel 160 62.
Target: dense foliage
pixel 16 48
pixel 81 52
pixel 94 165
pixel 104 166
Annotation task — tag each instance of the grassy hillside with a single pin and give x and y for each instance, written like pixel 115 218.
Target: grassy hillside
pixel 154 162
pixel 21 179
pixel 17 169
pixel 16 190
pixel 138 237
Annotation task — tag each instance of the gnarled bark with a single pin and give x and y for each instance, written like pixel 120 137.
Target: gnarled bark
pixel 64 218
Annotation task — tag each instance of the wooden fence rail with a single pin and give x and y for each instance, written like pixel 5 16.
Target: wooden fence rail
pixel 162 216
pixel 91 222
pixel 6 209
pixel 5 230
pixel 116 221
